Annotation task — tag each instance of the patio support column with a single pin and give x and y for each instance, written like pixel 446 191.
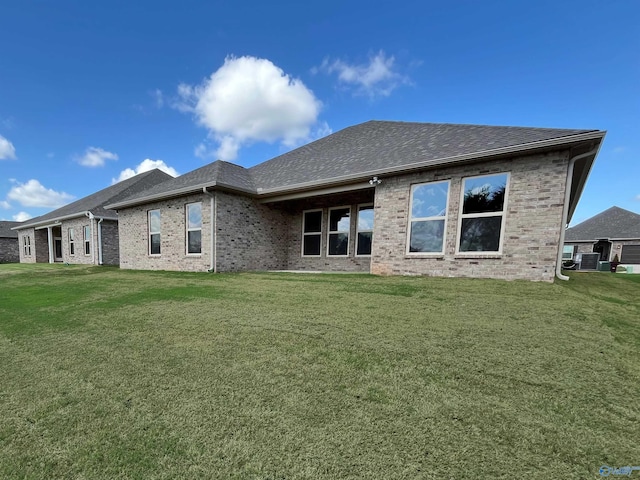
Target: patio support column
pixel 50 242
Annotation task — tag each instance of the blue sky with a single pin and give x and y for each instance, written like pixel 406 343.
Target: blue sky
pixel 91 92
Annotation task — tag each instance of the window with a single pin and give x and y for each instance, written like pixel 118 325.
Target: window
pixel 311 233
pixel 87 239
pixel 72 240
pixel 154 232
pixel 194 228
pixel 338 244
pixel 364 235
pixel 482 219
pixel 26 245
pixel 428 218
pixel 567 252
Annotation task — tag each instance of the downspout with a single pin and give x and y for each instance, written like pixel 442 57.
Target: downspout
pixel 93 250
pixel 50 244
pixel 565 209
pixel 213 237
pixel 100 241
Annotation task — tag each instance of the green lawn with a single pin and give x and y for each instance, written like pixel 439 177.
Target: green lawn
pixel 121 374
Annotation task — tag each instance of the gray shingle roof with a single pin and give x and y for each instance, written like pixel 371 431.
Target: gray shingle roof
pixel 95 202
pixel 370 148
pixel 614 222
pixel 5 229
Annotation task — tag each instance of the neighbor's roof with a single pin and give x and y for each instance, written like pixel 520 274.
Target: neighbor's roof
pixel 5 229
pixel 372 148
pixel 614 222
pixel 95 203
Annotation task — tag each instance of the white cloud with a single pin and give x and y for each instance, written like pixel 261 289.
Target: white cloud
pixel 250 99
pixel 145 166
pixel 22 217
pixel 34 194
pixel 378 77
pixel 7 150
pixel 96 157
pixel 4 204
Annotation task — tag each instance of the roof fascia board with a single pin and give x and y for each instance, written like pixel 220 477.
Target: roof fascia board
pixel 315 193
pixel 51 222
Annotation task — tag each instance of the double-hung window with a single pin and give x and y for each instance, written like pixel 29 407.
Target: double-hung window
pixel 311 233
pixel 26 244
pixel 154 232
pixel 364 231
pixel 72 242
pixel 568 252
pixel 194 228
pixel 428 218
pixel 87 239
pixel 339 225
pixel 482 215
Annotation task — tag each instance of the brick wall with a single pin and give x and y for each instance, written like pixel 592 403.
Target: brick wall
pixel 9 250
pixel 110 243
pixel 249 235
pixel 79 256
pixel 134 236
pixel 532 225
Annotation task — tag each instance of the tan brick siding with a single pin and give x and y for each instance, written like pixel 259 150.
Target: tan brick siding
pixel 532 224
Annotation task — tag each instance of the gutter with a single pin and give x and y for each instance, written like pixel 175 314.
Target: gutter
pixel 56 221
pixel 213 213
pixel 565 208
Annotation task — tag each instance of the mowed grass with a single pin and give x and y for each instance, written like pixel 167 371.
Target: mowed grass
pixel 120 374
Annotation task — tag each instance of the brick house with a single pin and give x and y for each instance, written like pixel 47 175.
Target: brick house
pixel 82 232
pixel 615 231
pixel 9 252
pixel 380 197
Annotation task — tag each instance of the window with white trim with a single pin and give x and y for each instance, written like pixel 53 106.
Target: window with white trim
pixel 72 242
pixel 427 218
pixel 311 233
pixel 154 232
pixel 483 201
pixel 364 230
pixel 568 251
pixel 338 235
pixel 194 228
pixel 26 245
pixel 87 239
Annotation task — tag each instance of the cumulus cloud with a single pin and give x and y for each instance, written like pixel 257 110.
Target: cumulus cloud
pixel 145 166
pixel 7 150
pixel 250 99
pixel 378 77
pixel 34 194
pixel 22 217
pixel 158 97
pixel 95 157
pixel 4 204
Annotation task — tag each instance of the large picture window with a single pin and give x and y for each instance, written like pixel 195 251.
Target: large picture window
pixel 194 228
pixel 483 202
pixel 72 242
pixel 364 236
pixel 311 233
pixel 87 239
pixel 428 218
pixel 339 224
pixel 154 232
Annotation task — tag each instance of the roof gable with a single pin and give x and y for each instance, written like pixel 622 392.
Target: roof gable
pixel 615 222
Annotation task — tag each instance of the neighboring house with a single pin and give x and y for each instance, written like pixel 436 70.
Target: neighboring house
pixel 380 197
pixel 9 252
pixel 83 231
pixel 615 231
